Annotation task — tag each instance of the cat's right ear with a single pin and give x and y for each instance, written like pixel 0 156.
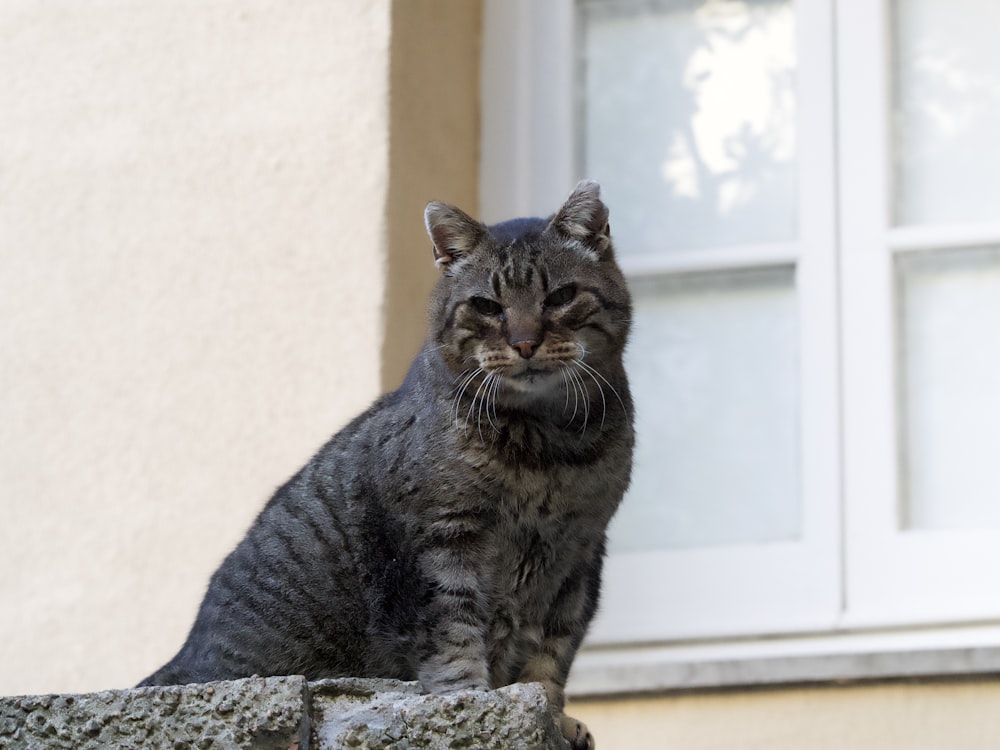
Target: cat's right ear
pixel 453 232
pixel 583 219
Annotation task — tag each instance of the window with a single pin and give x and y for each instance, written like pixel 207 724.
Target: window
pixel 814 253
pixel 920 227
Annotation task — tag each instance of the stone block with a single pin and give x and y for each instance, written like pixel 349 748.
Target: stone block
pixel 253 714
pixel 376 714
pixel 282 713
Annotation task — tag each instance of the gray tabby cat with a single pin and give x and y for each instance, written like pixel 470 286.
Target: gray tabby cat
pixel 453 533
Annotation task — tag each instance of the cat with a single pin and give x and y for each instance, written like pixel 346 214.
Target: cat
pixel 454 533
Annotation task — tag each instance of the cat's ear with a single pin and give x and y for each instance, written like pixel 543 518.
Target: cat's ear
pixel 583 218
pixel 453 232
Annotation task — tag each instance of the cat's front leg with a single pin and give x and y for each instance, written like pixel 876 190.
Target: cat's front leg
pixel 546 667
pixel 455 618
pixel 562 633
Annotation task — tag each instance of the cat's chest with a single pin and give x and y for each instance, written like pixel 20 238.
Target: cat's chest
pixel 532 564
pixel 532 480
pixel 549 514
pixel 549 501
pixel 545 528
pixel 536 501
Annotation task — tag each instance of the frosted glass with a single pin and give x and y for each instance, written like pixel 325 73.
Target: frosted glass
pixel 949 312
pixel 688 120
pixel 947 110
pixel 713 365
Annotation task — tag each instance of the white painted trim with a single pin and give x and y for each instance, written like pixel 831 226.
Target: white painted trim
pixel 711 259
pixel 504 160
pixel 919 238
pixel 894 576
pixel 526 80
pixel 814 658
pixel 817 281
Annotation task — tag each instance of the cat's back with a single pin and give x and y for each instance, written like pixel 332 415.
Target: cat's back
pixel 300 593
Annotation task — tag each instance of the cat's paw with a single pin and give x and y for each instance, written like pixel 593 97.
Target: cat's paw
pixel 576 733
pixel 443 687
pixel 438 679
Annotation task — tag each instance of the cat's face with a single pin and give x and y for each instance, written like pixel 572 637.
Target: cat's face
pixel 528 308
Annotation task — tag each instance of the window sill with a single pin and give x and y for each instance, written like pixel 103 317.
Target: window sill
pixel 845 657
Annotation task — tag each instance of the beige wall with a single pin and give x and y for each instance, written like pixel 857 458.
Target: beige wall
pixel 433 154
pixel 947 716
pixel 201 263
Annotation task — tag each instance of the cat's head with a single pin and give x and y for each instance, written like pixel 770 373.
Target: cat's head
pixel 534 302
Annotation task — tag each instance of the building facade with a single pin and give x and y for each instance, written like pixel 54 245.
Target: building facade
pixel 213 257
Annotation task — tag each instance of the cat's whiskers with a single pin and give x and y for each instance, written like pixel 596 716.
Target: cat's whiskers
pixel 460 389
pixel 475 397
pixel 585 397
pixel 593 371
pixel 571 378
pixel 484 398
pixel 604 403
pixel 488 385
pixel 467 370
pixel 576 396
pixel 467 374
pixel 493 394
pixel 562 371
pixel 461 392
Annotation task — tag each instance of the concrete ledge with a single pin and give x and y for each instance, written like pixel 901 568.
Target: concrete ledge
pixel 386 713
pixel 259 713
pixel 282 713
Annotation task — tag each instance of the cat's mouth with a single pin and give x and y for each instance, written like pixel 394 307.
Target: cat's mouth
pixel 533 372
pixel 530 378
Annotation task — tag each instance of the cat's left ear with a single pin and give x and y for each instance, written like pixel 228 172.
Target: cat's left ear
pixel 453 232
pixel 583 218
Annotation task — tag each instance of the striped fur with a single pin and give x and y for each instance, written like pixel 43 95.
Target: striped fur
pixel 454 532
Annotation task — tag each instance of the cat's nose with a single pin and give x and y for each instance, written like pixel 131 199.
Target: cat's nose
pixel 525 347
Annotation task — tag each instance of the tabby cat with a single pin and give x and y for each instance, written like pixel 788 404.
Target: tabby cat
pixel 453 533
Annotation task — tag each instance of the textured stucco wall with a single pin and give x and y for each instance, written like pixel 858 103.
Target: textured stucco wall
pixel 194 246
pixel 433 154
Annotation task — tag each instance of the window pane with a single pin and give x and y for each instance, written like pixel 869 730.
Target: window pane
pixel 947 110
pixel 688 116
pixel 949 312
pixel 713 365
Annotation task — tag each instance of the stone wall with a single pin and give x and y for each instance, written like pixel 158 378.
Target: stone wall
pixel 282 713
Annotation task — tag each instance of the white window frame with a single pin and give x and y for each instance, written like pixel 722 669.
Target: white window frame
pixel 527 169
pixel 893 577
pixel 855 587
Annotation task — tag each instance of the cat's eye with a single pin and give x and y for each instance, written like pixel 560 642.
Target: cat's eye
pixel 561 296
pixel 485 306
